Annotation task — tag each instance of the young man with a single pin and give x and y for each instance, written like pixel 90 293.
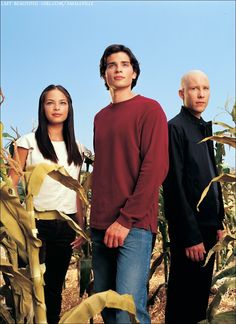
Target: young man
pixel 192 233
pixel 131 162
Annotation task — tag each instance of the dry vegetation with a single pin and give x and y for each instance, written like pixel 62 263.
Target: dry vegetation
pixel 71 295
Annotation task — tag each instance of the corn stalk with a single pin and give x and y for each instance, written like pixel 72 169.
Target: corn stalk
pixel 226 245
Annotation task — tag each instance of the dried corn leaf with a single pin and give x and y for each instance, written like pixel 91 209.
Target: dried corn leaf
pixel 233 113
pixel 221 139
pixel 22 290
pixel 229 128
pixel 55 214
pixel 74 225
pixel 21 228
pixel 9 250
pixel 222 318
pixel 219 246
pixel 87 183
pixel 96 303
pixel 1 131
pixel 225 177
pixel 11 212
pixel 213 307
pixel 35 175
pixel 14 214
pixel 5 315
pixel 228 272
pixel 70 183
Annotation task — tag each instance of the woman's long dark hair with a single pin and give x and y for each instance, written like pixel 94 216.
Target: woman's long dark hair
pixel 44 143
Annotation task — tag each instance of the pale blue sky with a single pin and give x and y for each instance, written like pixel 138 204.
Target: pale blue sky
pixel 61 42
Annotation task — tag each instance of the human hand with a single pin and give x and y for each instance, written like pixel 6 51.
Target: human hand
pixel 219 235
pixel 78 242
pixel 115 235
pixel 195 252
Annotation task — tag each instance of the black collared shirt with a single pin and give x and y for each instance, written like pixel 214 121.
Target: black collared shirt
pixel 192 166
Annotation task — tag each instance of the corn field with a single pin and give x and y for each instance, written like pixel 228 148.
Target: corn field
pixel 21 291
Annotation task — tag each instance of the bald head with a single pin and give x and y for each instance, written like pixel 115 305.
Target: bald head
pixel 193 74
pixel 195 91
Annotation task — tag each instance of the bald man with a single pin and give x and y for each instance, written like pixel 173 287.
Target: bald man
pixel 192 233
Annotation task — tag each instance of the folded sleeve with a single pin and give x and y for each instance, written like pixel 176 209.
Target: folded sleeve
pixel 26 141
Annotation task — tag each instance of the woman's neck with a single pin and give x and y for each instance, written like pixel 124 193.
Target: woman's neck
pixel 55 132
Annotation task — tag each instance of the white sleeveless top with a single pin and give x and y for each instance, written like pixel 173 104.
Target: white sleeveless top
pixel 52 195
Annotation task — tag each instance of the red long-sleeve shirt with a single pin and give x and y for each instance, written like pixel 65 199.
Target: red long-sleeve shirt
pixel 131 162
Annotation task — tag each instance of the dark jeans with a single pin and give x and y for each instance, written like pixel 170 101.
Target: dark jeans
pixel 189 284
pixel 56 236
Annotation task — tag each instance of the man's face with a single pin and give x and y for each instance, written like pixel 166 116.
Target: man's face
pixel 195 93
pixel 119 72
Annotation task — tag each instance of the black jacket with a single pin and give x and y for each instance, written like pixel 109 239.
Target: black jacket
pixel 189 174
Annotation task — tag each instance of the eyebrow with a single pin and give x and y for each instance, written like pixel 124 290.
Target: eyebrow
pixel 113 62
pixel 49 99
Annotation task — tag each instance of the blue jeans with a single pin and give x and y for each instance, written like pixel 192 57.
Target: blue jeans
pixel 124 269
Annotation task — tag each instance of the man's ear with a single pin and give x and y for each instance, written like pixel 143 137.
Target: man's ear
pixel 181 93
pixel 134 76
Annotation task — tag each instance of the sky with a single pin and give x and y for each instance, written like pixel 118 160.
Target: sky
pixel 61 42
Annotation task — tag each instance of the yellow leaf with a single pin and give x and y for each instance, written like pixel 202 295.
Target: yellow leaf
pixel 21 228
pixel 55 214
pixel 87 183
pixel 225 177
pixel 1 130
pixel 233 113
pixel 96 303
pixel 35 175
pixel 16 220
pixel 221 139
pixel 70 183
pixel 22 289
pixel 219 246
pixel 228 127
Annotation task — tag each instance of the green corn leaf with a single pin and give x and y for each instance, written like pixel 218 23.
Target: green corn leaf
pixel 85 274
pixel 7 135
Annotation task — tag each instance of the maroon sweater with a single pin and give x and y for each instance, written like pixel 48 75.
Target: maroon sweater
pixel 131 162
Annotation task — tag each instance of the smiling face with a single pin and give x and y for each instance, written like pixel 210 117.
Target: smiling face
pixel 56 106
pixel 119 71
pixel 195 92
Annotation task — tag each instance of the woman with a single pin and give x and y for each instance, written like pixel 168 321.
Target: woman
pixel 54 142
